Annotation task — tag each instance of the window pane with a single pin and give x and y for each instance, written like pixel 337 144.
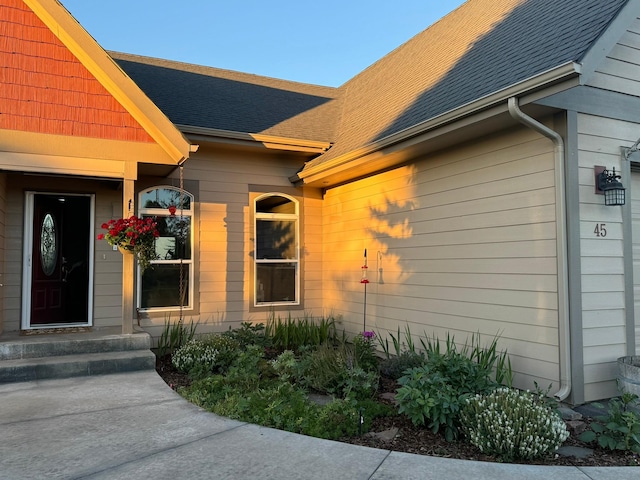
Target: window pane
pixel 164 198
pixel 276 283
pixel 161 286
pixel 175 237
pixel 275 204
pixel 275 239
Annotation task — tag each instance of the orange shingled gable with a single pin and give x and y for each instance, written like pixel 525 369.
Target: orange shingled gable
pixel 45 89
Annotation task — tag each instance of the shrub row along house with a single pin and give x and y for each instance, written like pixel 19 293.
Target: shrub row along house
pixel 465 162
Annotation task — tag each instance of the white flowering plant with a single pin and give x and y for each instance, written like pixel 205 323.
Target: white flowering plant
pixel 512 425
pixel 203 356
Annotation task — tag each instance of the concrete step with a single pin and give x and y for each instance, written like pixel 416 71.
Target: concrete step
pixel 46 346
pixel 80 364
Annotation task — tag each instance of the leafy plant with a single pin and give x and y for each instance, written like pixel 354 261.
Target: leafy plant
pixel 395 366
pixel 512 425
pixel 619 428
pixel 365 351
pixel 248 334
pixel 292 334
pixel 337 419
pixel 335 370
pixel 285 365
pixel 278 404
pixel 489 360
pixel 175 335
pixel 428 398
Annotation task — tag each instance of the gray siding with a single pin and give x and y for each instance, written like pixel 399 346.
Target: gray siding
pixel 603 289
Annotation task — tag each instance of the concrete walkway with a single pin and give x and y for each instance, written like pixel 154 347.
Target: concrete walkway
pixel 132 426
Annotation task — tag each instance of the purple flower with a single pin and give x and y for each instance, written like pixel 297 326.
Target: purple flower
pixel 369 335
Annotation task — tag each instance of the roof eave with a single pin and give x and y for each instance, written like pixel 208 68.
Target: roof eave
pixel 320 174
pixel 254 139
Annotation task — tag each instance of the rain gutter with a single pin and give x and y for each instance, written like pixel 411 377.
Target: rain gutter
pixel 323 169
pixel 561 244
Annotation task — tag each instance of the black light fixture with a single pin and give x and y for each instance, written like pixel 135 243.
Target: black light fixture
pixel 607 184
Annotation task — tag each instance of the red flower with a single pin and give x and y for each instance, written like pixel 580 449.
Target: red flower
pixel 133 233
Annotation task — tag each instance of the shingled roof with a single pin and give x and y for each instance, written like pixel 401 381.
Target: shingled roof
pixel 219 99
pixel 480 48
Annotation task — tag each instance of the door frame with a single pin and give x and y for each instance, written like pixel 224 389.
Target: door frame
pixel 27 249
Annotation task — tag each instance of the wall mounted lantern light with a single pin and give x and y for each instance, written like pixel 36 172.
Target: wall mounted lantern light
pixel 607 184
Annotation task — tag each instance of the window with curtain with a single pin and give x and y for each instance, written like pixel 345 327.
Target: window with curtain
pixel 168 285
pixel 276 254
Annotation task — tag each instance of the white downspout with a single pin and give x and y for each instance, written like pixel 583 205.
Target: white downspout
pixel 561 245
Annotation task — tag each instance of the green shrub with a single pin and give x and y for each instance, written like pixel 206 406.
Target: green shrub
pixel 248 334
pixel 277 405
pixel 335 420
pixel 619 428
pixel 207 392
pixel 433 394
pixel 281 405
pixel 201 357
pixel 428 398
pixel 335 370
pixel 512 425
pixel 285 366
pixel 491 363
pixel 395 366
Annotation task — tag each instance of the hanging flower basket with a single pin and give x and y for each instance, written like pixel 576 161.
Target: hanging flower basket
pixel 135 236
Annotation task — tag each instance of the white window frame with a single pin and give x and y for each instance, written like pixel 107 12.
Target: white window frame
pixel 142 212
pixel 276 216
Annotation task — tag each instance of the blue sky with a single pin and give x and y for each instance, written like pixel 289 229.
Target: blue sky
pixel 323 42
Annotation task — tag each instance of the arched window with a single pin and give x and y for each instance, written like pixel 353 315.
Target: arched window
pixel 167 285
pixel 276 254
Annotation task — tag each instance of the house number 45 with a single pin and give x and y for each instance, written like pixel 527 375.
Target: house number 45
pixel 600 230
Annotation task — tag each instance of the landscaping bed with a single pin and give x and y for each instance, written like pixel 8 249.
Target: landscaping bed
pixel 397 432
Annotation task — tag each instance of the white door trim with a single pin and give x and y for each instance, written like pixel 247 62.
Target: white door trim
pixel 27 260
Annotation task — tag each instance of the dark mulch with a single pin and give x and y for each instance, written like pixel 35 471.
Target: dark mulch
pixel 422 441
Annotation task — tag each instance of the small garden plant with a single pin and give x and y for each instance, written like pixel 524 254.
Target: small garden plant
pixel 619 427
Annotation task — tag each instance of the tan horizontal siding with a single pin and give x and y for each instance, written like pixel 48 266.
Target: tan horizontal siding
pixel 459 242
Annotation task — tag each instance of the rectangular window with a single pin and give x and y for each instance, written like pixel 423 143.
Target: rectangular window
pixel 167 285
pixel 277 262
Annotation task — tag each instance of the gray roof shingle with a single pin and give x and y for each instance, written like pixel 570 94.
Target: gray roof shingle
pixel 222 99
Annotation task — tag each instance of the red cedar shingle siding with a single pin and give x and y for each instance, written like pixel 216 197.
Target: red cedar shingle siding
pixel 45 89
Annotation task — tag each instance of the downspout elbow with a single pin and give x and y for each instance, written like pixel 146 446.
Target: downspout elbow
pixel 561 245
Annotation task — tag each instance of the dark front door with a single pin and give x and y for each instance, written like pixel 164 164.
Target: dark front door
pixel 60 260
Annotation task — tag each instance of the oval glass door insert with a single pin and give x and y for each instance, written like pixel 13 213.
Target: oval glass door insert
pixel 48 246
